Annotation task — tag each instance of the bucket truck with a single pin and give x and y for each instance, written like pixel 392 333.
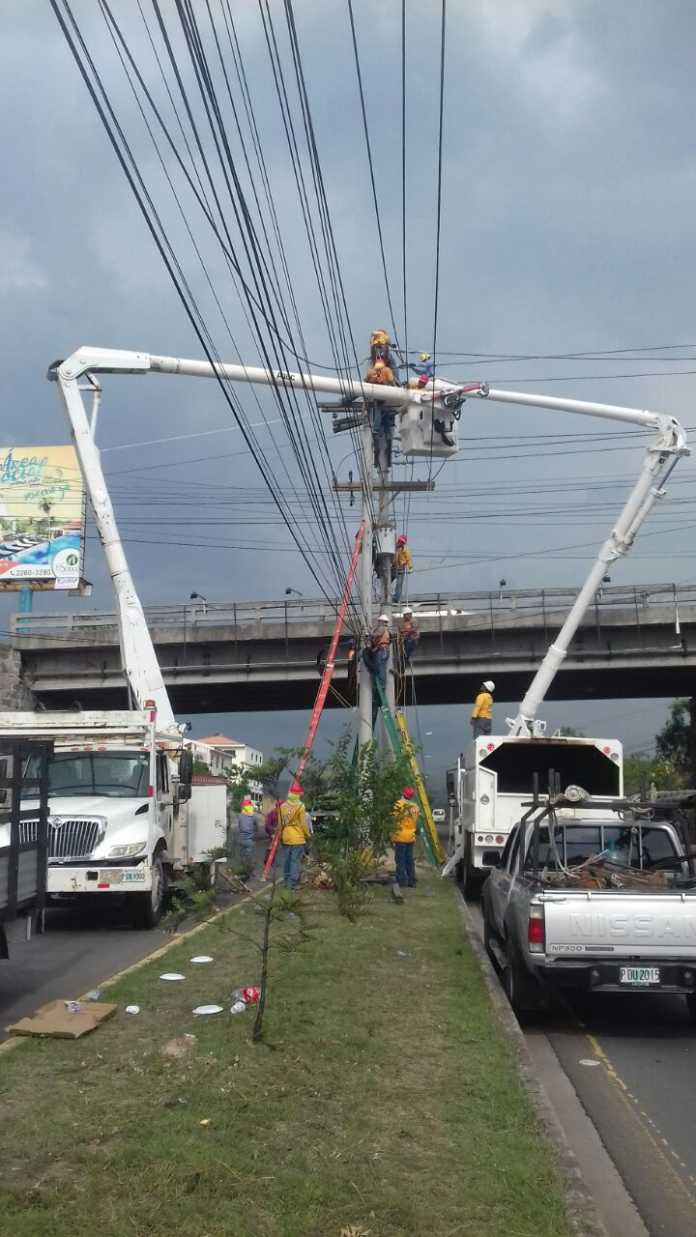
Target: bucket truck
pixel 494 775
pixel 427 420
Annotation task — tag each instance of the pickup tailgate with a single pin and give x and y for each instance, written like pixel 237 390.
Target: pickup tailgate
pixel 643 925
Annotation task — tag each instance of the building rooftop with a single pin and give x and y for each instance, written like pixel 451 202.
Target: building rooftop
pixel 219 740
pixel 208 779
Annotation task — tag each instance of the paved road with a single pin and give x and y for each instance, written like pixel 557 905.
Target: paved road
pixel 632 1063
pixel 77 952
pixel 80 949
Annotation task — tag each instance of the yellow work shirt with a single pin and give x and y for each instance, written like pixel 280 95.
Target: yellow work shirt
pixel 483 706
pixel 294 826
pixel 403 560
pixel 405 815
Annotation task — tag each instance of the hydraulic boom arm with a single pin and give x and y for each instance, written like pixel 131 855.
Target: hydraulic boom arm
pixel 661 456
pixel 139 659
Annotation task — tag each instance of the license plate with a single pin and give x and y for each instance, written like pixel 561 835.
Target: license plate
pixel 640 976
pixel 111 876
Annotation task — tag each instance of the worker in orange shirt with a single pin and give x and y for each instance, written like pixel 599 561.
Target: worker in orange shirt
pixel 376 655
pixel 403 563
pixel 403 836
pixel 482 712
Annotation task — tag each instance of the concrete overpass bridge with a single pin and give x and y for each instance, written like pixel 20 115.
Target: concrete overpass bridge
pixel 240 656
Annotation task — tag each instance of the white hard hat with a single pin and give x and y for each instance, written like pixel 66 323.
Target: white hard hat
pixel 407 610
pixel 383 618
pixel 489 685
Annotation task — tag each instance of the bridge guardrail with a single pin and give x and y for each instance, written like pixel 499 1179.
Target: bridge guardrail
pixel 542 603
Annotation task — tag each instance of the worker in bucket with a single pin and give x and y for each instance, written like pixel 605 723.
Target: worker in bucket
pixel 376 655
pixel 409 635
pixel 403 836
pixel 403 565
pixel 424 368
pixel 482 712
pixel 295 833
pixel 247 824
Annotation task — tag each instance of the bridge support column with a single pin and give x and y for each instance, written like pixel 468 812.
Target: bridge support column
pixel 15 692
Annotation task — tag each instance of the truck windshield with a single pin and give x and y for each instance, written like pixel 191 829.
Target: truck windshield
pixel 629 846
pixel 114 774
pixel 576 764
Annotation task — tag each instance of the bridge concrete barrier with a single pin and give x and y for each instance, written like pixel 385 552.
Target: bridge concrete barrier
pixel 256 656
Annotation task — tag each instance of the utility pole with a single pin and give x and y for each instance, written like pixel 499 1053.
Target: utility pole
pixel 364 676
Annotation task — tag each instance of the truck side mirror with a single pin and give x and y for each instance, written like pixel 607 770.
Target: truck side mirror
pixel 185 775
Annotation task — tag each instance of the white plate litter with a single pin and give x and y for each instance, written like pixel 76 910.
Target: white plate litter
pixel 172 975
pixel 202 958
pixel 207 1009
pixel 589 1061
pixel 132 1009
pixel 238 1007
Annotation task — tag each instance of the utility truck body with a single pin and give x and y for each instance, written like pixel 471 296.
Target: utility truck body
pixel 118 795
pixel 495 776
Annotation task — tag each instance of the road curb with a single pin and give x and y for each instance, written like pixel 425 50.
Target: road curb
pixel 14 1041
pixel 581 1208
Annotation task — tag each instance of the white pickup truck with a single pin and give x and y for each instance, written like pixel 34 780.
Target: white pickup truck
pixel 118 796
pixel 605 903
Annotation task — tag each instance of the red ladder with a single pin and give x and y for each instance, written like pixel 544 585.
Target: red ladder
pixel 324 685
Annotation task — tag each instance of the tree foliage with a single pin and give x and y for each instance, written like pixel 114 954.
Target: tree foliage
pixel 673 742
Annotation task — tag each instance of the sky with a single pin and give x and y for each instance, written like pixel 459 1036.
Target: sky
pixel 568 199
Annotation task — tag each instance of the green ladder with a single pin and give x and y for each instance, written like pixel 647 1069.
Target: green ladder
pixel 399 750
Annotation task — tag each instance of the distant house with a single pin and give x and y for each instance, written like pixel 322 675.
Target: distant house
pixel 225 755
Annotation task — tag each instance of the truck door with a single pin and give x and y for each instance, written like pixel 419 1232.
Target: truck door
pixel 505 879
pixel 165 811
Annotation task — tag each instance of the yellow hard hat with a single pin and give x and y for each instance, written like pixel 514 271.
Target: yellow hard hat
pixel 424 356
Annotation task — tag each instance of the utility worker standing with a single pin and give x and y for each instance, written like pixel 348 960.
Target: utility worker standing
pixel 409 634
pixel 403 563
pixel 376 655
pixel 405 813
pixel 482 713
pixel 295 833
pixel 382 417
pixel 247 823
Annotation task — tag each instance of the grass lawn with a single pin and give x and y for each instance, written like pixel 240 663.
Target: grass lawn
pixel 384 1101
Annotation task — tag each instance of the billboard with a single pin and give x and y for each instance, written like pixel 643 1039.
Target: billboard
pixel 42 518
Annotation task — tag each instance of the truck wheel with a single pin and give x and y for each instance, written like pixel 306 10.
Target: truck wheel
pixel 488 936
pixel 521 990
pixel 469 878
pixel 148 909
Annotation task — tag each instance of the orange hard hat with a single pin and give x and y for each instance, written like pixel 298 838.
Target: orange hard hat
pixel 401 539
pixel 296 789
pixel 409 792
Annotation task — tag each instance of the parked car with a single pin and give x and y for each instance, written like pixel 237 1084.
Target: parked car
pixel 439 815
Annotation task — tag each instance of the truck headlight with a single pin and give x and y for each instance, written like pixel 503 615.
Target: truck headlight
pixel 126 851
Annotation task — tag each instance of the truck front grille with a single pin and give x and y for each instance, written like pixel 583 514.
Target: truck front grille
pixel 67 839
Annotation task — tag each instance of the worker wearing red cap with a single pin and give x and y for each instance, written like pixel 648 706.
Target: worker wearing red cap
pixel 294 834
pixel 403 562
pixel 403 836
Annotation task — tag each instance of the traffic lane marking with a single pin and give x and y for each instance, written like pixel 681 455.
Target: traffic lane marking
pixel 645 1159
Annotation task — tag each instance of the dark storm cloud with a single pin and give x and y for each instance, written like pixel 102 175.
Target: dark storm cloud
pixel 570 189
